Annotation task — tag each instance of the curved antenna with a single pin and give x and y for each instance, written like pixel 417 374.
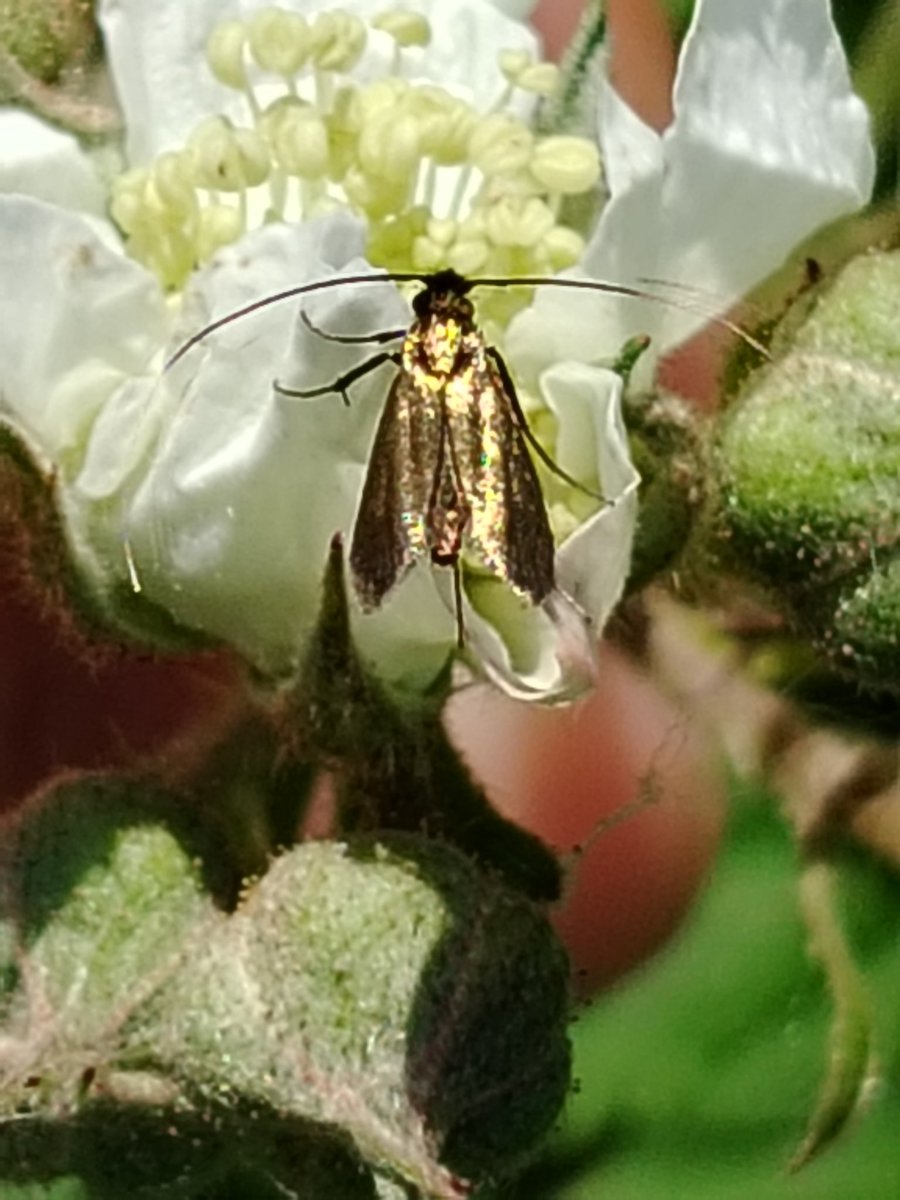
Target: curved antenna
pixel 632 293
pixel 585 285
pixel 302 289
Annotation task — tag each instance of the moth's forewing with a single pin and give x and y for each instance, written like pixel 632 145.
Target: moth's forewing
pixel 449 471
pixel 390 528
pixel 508 530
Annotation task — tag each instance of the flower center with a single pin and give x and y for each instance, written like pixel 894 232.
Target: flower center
pixel 439 183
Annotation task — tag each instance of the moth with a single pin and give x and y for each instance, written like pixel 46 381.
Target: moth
pixel 450 472
pixel 450 475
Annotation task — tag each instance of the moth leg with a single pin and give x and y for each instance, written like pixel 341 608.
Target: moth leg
pixel 458 604
pixel 343 382
pixel 353 339
pixel 522 422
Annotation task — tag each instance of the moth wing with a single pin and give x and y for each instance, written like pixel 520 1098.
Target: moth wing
pixel 389 533
pixel 509 530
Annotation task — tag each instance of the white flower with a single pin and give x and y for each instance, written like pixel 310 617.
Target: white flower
pixel 218 497
pixel 768 143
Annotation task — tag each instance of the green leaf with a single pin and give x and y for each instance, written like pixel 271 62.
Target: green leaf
pixel 87 594
pixel 379 1002
pixel 697 1078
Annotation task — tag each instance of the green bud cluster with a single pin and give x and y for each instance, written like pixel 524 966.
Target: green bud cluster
pixel 808 466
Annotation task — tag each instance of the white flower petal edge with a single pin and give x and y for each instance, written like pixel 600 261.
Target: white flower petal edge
pixel 768 144
pixel 229 527
pixel 157 56
pixel 79 321
pixel 520 10
pixel 38 160
pixel 548 653
pixel 593 563
pixel 217 495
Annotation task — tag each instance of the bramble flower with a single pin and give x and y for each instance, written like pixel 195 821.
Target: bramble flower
pixel 269 147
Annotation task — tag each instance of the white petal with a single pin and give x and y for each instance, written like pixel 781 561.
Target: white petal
pixel 546 654
pixel 592 565
pixel 40 161
pixel 79 320
pixel 157 56
pixel 768 144
pixel 231 527
pixel 519 10
pixel 407 640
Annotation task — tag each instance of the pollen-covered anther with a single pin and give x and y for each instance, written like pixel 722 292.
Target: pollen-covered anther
pixel 445 124
pixel 562 246
pixel 513 62
pixel 520 70
pixel 433 248
pixel 388 145
pixel 540 79
pixel 383 95
pixel 127 200
pixel 442 230
pixel 227 159
pixel 225 54
pixel 467 255
pixel 219 225
pixel 337 40
pixel 376 197
pixel 500 144
pixel 170 253
pixel 280 41
pixel 427 254
pixel 565 164
pixel 171 177
pixel 405 27
pixel 299 139
pixel 518 221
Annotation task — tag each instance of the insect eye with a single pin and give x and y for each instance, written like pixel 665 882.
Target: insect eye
pixel 423 303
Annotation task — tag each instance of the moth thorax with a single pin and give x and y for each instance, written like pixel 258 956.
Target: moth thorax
pixel 440 340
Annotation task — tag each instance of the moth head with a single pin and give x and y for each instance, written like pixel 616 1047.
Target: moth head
pixel 444 293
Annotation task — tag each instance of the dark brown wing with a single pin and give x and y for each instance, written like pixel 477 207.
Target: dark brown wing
pixel 508 529
pixel 390 529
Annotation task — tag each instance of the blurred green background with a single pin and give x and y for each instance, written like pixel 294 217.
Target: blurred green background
pixel 697 1075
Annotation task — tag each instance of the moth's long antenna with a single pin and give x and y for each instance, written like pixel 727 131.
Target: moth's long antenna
pixel 585 285
pixel 302 289
pixel 634 293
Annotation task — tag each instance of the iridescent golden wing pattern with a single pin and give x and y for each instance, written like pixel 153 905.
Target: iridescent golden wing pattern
pixel 449 471
pixel 390 529
pixel 508 530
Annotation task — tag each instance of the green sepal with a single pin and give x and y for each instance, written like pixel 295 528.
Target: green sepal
pixel 91 600
pixel 45 38
pixel 851 1060
pixel 395 766
pixel 574 107
pixel 807 475
pixel 668 446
